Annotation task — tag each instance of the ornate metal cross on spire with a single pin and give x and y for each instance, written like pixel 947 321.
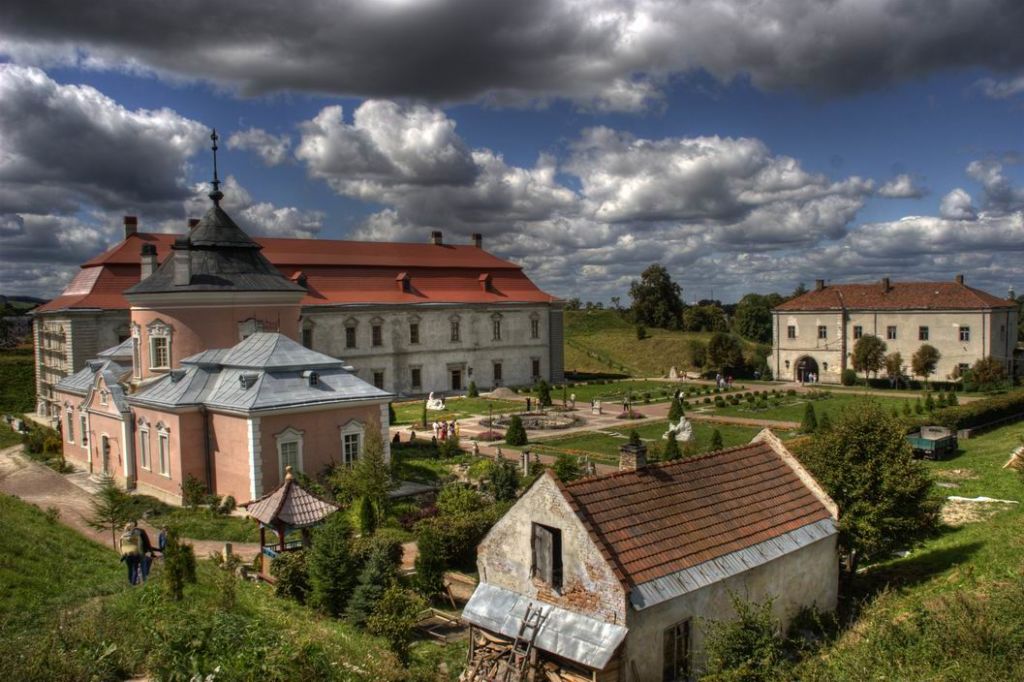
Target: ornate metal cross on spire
pixel 216 194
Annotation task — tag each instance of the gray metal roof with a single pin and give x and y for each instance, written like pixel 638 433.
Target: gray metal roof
pixel 120 352
pixel 222 258
pixel 281 382
pixel 564 633
pixel 693 578
pixel 270 350
pixel 82 381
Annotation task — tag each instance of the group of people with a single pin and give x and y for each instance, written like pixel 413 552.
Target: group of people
pixel 137 552
pixel 810 377
pixel 443 429
pixel 722 381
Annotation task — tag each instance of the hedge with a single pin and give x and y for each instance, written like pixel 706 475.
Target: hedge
pixel 975 414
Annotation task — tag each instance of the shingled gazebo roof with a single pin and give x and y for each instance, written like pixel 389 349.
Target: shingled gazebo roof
pixel 290 504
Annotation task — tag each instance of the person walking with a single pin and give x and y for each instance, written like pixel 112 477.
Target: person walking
pixel 146 557
pixel 161 540
pixel 131 552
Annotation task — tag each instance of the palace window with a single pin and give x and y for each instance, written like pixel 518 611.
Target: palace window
pixel 965 334
pixel 289 451
pixel 164 451
pixel 70 422
pixel 496 328
pixel 535 368
pixel 791 331
pixel 414 332
pixel 136 352
pixel 890 332
pixel 922 333
pixel 103 397
pixel 416 378
pixel 378 378
pixel 144 449
pixel 159 345
pixel 534 329
pixel 456 332
pixel 676 650
pixel 547 555
pixel 822 331
pixel 351 443
pixel 350 337
pixel 85 431
pixel 378 337
pixel 858 331
pixel 497 373
pixel 307 335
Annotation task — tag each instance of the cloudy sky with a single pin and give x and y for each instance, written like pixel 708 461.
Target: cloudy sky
pixel 748 146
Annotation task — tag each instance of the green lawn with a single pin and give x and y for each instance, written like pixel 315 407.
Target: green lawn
pixel 605 448
pixel 612 392
pixel 67 613
pixel 792 407
pixel 17 381
pixel 457 408
pixel 8 436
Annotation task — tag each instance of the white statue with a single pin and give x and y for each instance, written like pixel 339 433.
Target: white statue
pixel 434 403
pixel 673 373
pixel 683 430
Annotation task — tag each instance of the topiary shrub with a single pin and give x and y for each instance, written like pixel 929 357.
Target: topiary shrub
pixel 809 424
pixel 849 377
pixel 516 433
pixel 471 391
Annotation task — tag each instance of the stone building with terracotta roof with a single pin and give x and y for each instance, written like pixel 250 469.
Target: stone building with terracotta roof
pixel 815 333
pixel 410 318
pixel 625 566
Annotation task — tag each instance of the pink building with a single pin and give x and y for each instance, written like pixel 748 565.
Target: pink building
pixel 202 388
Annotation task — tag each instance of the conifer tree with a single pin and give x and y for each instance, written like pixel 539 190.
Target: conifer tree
pixel 379 573
pixel 516 433
pixel 810 421
pixel 671 448
pixel 716 440
pixel 824 424
pixel 331 565
pixel 675 410
pixel 367 516
pixel 111 509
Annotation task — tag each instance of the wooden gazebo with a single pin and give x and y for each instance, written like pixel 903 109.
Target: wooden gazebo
pixel 288 508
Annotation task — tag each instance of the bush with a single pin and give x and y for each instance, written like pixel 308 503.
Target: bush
pixel 716 440
pixel 641 332
pixel 516 434
pixel 330 565
pixel 292 578
pixel 380 571
pixel 543 394
pixel 471 391
pixel 430 559
pixel 849 377
pixel 193 492
pixel 567 467
pixel 504 480
pixel 459 498
pixel 179 566
pixel 980 412
pixel 671 448
pixel 987 374
pixel 748 649
pixel 394 618
pixel 227 505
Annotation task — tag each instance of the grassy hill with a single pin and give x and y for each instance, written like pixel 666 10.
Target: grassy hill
pixel 603 342
pixel 17 380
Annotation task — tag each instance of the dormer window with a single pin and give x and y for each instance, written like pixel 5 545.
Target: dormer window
pixel 247 380
pixel 103 397
pixel 547 555
pixel 314 379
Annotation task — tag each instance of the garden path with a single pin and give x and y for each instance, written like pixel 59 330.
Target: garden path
pixel 40 485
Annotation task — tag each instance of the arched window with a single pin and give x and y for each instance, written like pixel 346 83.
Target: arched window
pixel 351 442
pixel 289 451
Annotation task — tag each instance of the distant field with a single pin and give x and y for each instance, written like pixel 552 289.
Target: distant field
pixel 17 381
pixel 605 334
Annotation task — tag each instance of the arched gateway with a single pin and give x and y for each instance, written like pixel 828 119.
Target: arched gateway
pixel 805 367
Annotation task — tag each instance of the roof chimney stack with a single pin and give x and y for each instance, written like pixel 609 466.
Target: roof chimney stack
pixel 886 285
pixel 960 279
pixel 632 457
pixel 131 225
pixel 148 260
pixel 435 238
pixel 819 284
pixel 182 262
pixel 192 222
pixel 478 240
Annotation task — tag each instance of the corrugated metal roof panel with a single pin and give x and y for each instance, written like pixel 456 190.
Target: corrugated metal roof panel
pixel 565 633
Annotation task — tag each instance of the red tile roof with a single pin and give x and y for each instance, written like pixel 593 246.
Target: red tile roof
pixel 336 272
pixel 668 517
pixel 899 296
pixel 290 504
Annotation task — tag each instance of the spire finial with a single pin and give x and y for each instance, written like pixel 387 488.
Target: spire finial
pixel 216 194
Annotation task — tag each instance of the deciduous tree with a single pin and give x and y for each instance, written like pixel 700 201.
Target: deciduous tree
pixel 725 352
pixel 753 317
pixel 657 300
pixel 924 361
pixel 866 465
pixel 869 354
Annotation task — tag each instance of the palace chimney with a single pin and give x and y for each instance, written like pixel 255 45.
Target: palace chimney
pixel 478 240
pixel 435 238
pixel 632 457
pixel 148 260
pixel 960 279
pixel 886 285
pixel 182 262
pixel 131 225
pixel 819 285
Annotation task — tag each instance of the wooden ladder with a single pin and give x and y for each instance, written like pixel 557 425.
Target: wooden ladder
pixel 522 647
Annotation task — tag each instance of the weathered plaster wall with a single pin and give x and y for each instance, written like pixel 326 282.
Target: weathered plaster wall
pixel 504 557
pixel 804 578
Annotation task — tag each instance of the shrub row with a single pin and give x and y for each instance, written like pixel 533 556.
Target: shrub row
pixel 981 412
